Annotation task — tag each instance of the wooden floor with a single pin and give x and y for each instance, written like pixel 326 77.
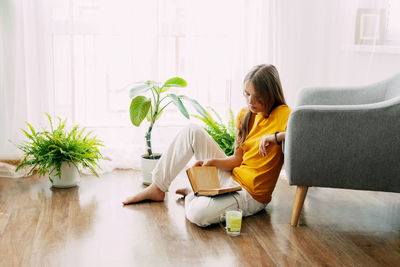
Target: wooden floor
pixel 87 226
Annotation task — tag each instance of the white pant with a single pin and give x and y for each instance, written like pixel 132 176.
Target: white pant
pixel 201 210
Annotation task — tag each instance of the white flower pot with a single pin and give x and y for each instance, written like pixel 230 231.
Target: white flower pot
pixel 147 166
pixel 69 176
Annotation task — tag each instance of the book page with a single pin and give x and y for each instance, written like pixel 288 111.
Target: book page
pixel 192 180
pixel 206 177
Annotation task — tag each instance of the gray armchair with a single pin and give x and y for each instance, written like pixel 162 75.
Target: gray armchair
pixel 344 138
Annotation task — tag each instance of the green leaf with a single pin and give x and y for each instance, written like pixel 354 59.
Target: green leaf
pixel 231 123
pixel 179 104
pixel 223 134
pixel 216 114
pixel 201 118
pixel 140 88
pixel 32 129
pixel 150 82
pixel 46 150
pixel 28 135
pixel 199 108
pixel 139 108
pixel 51 122
pixel 148 115
pixel 175 82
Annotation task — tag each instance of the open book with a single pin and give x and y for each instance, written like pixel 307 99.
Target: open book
pixel 205 182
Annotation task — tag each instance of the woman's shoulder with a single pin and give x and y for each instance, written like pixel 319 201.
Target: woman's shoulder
pixel 282 109
pixel 281 112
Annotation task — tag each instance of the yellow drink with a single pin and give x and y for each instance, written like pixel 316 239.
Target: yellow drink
pixel 233 222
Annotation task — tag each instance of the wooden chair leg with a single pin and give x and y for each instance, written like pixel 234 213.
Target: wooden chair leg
pixel 301 193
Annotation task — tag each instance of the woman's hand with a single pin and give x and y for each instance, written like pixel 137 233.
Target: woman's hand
pixel 267 141
pixel 207 162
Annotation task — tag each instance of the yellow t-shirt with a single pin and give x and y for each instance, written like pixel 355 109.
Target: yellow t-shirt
pixel 258 174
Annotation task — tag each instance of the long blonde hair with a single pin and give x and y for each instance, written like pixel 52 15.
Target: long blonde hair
pixel 266 82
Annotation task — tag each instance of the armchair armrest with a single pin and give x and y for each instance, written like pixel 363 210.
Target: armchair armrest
pixel 353 146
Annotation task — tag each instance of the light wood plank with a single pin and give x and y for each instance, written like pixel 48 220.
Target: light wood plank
pixel 88 226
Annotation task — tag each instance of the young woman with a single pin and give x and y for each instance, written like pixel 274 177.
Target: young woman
pixel 255 165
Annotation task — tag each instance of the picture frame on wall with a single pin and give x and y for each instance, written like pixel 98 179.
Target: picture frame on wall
pixel 370 26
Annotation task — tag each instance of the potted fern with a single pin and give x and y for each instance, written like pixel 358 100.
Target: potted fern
pixel 152 107
pixel 223 133
pixel 59 153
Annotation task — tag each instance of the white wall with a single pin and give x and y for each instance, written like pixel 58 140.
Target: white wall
pixel 315 40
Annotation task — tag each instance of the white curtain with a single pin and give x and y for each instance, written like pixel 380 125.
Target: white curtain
pixel 76 59
pixel 24 76
pixel 224 39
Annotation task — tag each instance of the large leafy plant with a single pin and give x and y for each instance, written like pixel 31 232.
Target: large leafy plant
pixel 152 107
pixel 223 133
pixel 47 150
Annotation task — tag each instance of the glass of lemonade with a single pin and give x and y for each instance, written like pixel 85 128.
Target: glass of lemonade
pixel 233 221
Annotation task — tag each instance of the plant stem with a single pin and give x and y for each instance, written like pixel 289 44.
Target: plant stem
pixel 156 98
pixel 148 141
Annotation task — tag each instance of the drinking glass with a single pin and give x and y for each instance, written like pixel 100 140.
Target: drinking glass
pixel 231 220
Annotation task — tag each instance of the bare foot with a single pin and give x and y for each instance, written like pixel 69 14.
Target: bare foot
pixel 152 192
pixel 183 191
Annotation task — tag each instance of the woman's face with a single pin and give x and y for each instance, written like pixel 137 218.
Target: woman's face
pixel 253 99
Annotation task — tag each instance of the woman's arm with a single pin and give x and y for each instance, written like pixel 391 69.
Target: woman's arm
pixel 281 137
pixel 227 164
pixel 267 141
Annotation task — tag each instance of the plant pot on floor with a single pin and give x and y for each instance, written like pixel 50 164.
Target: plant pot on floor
pixel 147 166
pixel 69 176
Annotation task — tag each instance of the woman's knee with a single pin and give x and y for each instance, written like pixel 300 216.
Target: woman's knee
pixel 199 212
pixel 193 130
pixel 193 133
